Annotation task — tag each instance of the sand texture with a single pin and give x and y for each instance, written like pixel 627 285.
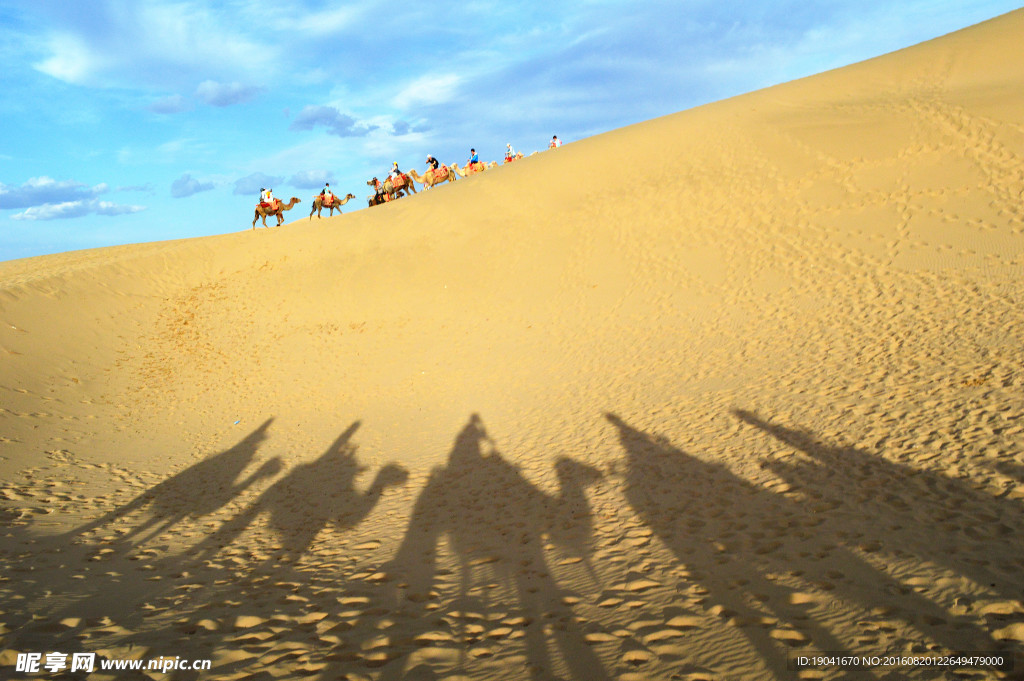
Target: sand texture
pixel 679 401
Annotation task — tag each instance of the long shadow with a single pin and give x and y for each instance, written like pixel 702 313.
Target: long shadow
pixel 199 490
pixel 909 510
pixel 493 520
pixel 730 532
pixel 309 498
pixel 185 604
pixel 99 585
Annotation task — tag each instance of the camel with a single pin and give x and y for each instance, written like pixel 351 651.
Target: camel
pixel 402 188
pixel 472 168
pixel 433 177
pixel 277 210
pixel 387 188
pixel 318 205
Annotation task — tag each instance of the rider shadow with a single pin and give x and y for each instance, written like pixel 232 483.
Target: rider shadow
pixel 935 518
pixel 104 579
pixel 756 553
pixel 496 523
pixel 308 499
pixel 198 491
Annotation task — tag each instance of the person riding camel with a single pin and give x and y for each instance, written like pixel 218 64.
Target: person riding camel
pixel 510 153
pixel 395 172
pixel 555 142
pixel 267 197
pixel 327 196
pixel 432 162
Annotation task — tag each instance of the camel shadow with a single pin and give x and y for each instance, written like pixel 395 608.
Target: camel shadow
pixel 96 581
pixel 908 511
pixel 482 511
pixel 309 498
pixel 186 602
pixel 198 491
pixel 759 557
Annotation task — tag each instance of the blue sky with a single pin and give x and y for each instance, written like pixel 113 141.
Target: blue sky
pixel 143 120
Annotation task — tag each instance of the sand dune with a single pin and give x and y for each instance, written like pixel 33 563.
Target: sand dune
pixel 680 401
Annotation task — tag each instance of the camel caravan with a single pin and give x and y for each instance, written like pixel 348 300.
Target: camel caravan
pixel 396 185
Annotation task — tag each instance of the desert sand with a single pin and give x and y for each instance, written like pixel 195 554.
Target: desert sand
pixel 680 401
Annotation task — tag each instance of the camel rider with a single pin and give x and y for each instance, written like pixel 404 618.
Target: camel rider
pixel 474 157
pixel 510 153
pixel 555 142
pixel 395 172
pixel 432 162
pixel 326 195
pixel 267 196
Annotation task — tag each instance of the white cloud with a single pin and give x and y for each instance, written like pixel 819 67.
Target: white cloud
pixel 108 44
pixel 311 179
pixel 329 117
pixel 169 105
pixel 226 94
pixel 328 22
pixel 430 89
pixel 42 190
pixel 186 185
pixel 72 60
pixel 75 209
pixel 252 184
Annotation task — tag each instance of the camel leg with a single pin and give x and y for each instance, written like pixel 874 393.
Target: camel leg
pixel 255 218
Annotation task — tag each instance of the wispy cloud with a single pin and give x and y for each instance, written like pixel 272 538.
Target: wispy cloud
pixel 311 179
pixel 75 209
pixel 252 184
pixel 148 187
pixel 107 43
pixel 72 59
pixel 170 105
pixel 43 190
pixel 186 185
pixel 430 89
pixel 326 23
pixel 329 117
pixel 226 94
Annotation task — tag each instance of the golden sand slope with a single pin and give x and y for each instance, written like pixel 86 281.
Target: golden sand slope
pixel 678 401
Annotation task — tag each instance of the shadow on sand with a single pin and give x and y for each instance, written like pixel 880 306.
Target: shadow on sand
pixel 761 556
pixel 482 511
